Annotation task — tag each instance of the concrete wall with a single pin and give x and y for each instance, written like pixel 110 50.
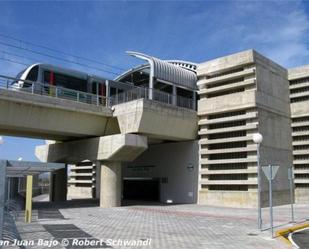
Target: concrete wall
pixel 79 192
pixel 273 104
pixel 172 161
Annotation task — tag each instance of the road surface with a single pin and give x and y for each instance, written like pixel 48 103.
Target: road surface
pixel 301 238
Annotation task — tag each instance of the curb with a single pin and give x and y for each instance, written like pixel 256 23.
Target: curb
pixel 280 234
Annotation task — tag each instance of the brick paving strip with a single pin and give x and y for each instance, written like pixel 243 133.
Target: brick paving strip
pixel 202 214
pixel 192 214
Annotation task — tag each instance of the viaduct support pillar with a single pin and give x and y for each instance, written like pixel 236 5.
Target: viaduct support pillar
pixel 110 187
pixel 58 185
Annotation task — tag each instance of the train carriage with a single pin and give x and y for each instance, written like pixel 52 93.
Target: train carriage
pixel 68 83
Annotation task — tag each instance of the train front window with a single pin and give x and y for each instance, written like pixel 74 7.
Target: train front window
pixel 33 74
pixel 18 76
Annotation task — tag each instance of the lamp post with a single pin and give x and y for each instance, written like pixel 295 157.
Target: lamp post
pixel 257 139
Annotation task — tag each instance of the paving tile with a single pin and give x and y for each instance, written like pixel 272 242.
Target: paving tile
pixel 174 226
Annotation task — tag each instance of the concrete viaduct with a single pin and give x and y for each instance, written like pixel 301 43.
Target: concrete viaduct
pixel 105 135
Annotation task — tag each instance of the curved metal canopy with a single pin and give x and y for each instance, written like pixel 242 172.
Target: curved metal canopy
pixel 178 72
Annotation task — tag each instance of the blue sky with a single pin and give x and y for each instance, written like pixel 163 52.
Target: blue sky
pixel 190 30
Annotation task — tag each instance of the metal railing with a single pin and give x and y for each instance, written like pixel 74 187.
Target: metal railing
pixel 133 94
pixel 11 211
pixel 13 207
pixel 11 83
pixel 153 94
pixel 37 88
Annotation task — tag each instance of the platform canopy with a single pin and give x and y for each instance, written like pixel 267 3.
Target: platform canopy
pixel 24 168
pixel 182 73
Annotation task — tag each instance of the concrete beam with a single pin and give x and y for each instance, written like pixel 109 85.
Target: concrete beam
pixel 298 72
pixel 157 120
pixel 226 103
pixel 30 115
pixel 120 147
pixel 226 63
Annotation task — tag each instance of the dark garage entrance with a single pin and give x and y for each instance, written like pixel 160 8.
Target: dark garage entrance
pixel 144 189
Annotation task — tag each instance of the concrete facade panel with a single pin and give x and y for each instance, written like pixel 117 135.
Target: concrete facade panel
pixel 227 103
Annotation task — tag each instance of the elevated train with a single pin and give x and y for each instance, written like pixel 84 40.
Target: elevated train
pixel 91 89
pixel 70 79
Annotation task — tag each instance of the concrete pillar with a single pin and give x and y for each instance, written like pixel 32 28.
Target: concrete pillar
pixel 107 88
pixel 58 185
pixel 174 97
pixel 151 88
pixel 110 189
pixel 151 83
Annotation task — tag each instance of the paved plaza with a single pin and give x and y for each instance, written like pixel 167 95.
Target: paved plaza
pixel 165 226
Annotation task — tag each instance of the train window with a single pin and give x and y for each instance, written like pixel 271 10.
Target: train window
pixel 67 81
pixel 33 74
pixel 94 87
pixel 113 91
pixel 46 76
pixel 102 89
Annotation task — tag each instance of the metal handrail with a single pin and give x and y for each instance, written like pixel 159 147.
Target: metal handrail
pixel 53 91
pixel 11 210
pixel 156 95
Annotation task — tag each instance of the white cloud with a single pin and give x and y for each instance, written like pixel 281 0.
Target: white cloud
pixel 284 39
pixel 279 30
